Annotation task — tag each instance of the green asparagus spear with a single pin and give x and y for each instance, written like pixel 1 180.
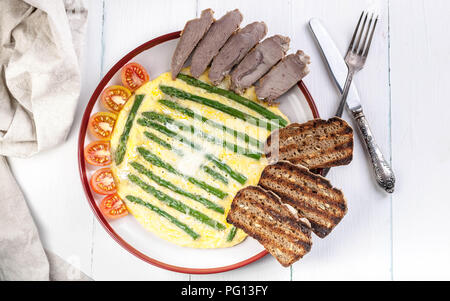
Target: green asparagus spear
pixel 233 96
pixel 171 91
pixel 188 112
pixel 216 175
pixel 155 160
pixel 232 234
pixel 168 146
pixel 121 149
pixel 164 119
pixel 164 130
pixel 222 166
pixel 207 169
pixel 166 215
pixel 207 203
pixel 163 143
pixel 175 204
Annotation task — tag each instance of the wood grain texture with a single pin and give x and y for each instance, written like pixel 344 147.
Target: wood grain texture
pixel 420 73
pixel 378 239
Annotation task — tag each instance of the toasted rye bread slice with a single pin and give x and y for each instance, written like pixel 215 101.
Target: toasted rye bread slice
pixel 315 144
pixel 310 194
pixel 260 214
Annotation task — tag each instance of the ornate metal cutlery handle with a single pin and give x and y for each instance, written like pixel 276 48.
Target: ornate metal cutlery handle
pixel 383 171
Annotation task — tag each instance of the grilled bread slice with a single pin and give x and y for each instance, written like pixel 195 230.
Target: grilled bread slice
pixel 310 194
pixel 260 214
pixel 315 144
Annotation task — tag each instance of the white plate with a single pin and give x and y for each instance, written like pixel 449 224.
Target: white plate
pixel 155 57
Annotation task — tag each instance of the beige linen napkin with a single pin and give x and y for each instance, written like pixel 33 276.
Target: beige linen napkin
pixel 39 90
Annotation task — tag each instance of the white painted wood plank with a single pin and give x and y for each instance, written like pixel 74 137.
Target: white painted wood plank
pixel 127 24
pixel 50 180
pixel 360 246
pixel 131 23
pixel 255 10
pixel 420 52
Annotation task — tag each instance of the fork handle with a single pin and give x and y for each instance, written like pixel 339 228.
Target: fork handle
pixel 383 171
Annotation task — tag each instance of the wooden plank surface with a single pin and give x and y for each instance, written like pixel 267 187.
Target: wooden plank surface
pixel 420 73
pixel 360 247
pixel 379 238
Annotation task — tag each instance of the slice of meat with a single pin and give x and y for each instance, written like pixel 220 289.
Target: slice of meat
pixel 258 62
pixel 283 76
pixel 216 37
pixel 193 32
pixel 235 50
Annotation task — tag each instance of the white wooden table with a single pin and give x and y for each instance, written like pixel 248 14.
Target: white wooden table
pixel 405 91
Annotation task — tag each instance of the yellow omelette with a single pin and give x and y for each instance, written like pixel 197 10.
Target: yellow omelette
pixel 168 179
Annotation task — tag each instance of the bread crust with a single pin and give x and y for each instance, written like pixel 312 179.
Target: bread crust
pixel 261 214
pixel 315 144
pixel 310 194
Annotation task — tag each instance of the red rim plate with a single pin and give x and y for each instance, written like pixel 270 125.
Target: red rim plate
pixel 85 180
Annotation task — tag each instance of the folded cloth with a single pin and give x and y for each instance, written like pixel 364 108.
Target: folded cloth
pixel 39 89
pixel 21 254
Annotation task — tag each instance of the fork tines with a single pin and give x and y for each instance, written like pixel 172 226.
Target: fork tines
pixel 363 49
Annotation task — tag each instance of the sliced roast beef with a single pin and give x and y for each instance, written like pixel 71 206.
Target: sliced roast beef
pixel 258 62
pixel 216 37
pixel 283 76
pixel 193 32
pixel 235 50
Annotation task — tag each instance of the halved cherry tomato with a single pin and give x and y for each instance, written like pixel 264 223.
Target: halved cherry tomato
pixel 98 153
pixel 114 98
pixel 134 76
pixel 113 207
pixel 102 181
pixel 101 125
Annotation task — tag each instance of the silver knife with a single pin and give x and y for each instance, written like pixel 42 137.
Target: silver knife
pixel 338 69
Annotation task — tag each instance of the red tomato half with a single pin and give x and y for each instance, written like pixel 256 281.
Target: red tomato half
pixel 134 76
pixel 102 181
pixel 98 153
pixel 114 98
pixel 101 125
pixel 113 207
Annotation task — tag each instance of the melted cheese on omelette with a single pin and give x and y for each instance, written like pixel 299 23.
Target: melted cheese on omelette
pixel 190 164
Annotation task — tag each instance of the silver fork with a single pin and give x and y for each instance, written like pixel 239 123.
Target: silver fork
pixel 357 54
pixel 355 60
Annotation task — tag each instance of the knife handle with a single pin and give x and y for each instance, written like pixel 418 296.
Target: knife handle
pixel 383 171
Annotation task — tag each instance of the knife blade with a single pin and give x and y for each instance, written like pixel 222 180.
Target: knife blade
pixel 334 61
